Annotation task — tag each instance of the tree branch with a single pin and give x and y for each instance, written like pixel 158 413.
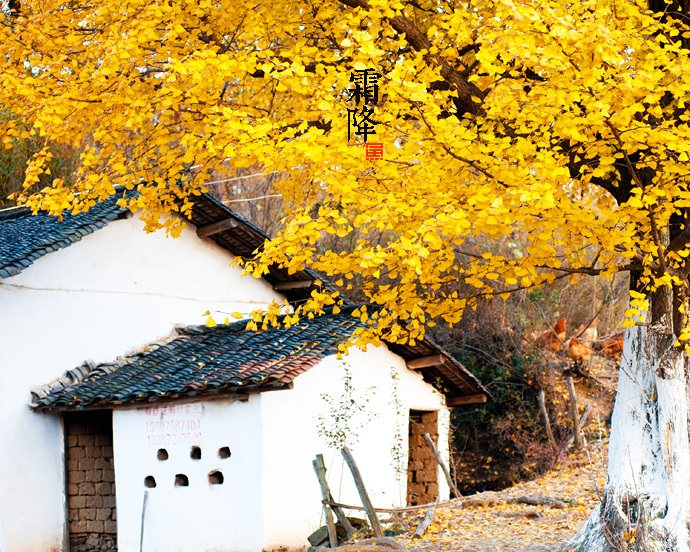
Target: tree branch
pixel 680 241
pixel 469 95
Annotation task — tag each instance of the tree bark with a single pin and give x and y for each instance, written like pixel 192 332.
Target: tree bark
pixel 647 495
pixel 574 415
pixel 545 415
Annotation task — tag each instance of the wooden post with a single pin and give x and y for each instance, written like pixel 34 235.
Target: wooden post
pixel 320 469
pixel 573 412
pixel 545 415
pixel 583 422
pixel 143 516
pixel 437 455
pixel 363 495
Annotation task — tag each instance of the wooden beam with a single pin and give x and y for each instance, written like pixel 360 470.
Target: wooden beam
pixel 299 284
pixel 466 399
pixel 442 464
pixel 320 470
pixel 424 362
pixel 216 227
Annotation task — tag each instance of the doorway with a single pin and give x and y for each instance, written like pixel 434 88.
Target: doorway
pixel 422 469
pixel 90 478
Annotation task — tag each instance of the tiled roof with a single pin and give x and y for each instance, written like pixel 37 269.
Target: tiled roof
pixel 200 360
pixel 25 237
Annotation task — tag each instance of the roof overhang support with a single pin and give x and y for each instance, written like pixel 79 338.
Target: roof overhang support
pixel 300 284
pixel 216 227
pixel 425 362
pixel 467 399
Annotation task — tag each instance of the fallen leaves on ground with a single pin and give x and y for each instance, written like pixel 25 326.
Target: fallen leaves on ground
pixel 507 527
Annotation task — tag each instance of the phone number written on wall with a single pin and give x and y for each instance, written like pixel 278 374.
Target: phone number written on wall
pixel 173 425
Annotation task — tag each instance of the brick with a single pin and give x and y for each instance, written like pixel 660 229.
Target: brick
pixel 430 417
pixel 86 489
pixel 109 501
pixel 76 502
pixel 103 488
pixel 426 476
pixel 103 464
pixel 110 527
pixel 417 441
pixel 71 440
pixel 94 501
pixel 94 526
pixel 76 453
pixel 96 452
pixel 76 429
pixel 86 440
pixel 103 514
pixel 431 428
pixel 95 476
pixel 73 489
pixel 78 527
pixel 103 439
pixel 114 515
pixel 108 452
pixel 424 453
pixel 430 463
pixel 72 515
pixel 88 514
pixel 108 476
pixel 87 464
pixel 76 476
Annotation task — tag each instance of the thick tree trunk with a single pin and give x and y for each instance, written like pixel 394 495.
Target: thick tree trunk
pixel 646 502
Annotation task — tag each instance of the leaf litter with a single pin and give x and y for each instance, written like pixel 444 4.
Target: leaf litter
pixel 491 522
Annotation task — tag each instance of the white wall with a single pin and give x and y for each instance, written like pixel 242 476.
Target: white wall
pixel 200 517
pixel 291 494
pixel 115 290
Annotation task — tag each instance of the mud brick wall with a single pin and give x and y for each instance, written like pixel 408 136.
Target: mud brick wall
pixel 422 472
pixel 90 482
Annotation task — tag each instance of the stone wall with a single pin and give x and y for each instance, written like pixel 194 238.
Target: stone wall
pixel 422 472
pixel 90 482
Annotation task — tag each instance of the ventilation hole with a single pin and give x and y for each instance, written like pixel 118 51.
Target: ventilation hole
pixel 149 481
pixel 224 452
pixel 195 454
pixel 215 478
pixel 162 454
pixel 181 480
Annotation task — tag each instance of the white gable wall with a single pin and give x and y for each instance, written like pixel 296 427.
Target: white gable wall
pixel 290 420
pixel 115 290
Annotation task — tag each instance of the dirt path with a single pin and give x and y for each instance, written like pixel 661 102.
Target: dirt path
pixel 494 525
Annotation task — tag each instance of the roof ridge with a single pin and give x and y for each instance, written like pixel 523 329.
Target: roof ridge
pixel 69 378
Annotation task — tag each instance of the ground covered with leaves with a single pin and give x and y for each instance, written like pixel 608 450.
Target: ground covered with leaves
pixel 491 521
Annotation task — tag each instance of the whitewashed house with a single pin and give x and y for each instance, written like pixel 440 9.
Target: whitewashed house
pixel 190 439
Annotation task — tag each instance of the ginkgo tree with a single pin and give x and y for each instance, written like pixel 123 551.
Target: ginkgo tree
pixel 562 122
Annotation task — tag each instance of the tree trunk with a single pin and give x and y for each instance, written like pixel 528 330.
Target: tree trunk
pixel 646 499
